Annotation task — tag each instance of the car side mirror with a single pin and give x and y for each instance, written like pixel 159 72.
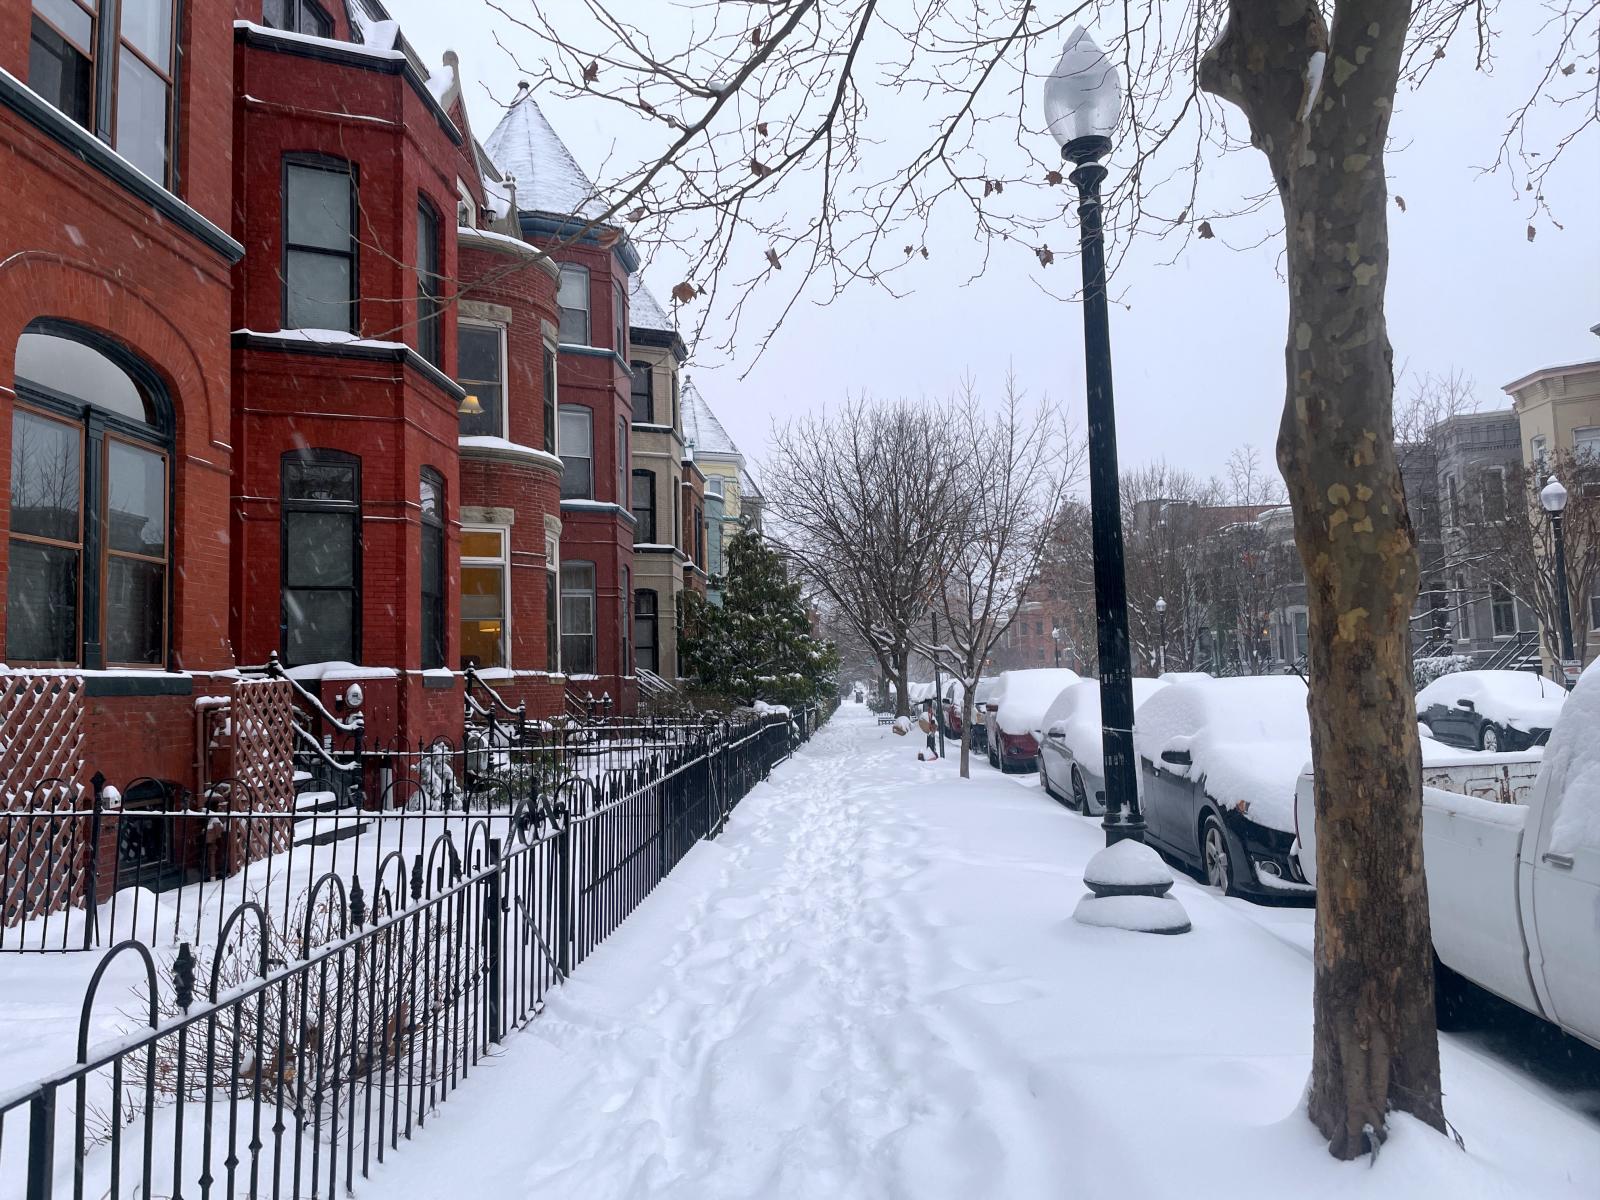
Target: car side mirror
pixel 1467 704
pixel 1177 758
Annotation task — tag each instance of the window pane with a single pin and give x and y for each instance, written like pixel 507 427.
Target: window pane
pixel 135 610
pixel 321 549
pixel 42 604
pixel 577 478
pixel 46 477
pixel 478 353
pixel 314 21
pixel 551 627
pixel 549 401
pixel 78 370
pixel 318 204
pixel 486 423
pixel 141 130
pixel 478 543
pixel 319 481
pixel 59 72
pixel 432 492
pixel 573 299
pixel 148 25
pixel 69 19
pixel 319 292
pixel 643 395
pixel 432 561
pixel 137 506
pixel 575 432
pixel 483 616
pixel 275 13
pixel 577 440
pixel 644 500
pixel 321 626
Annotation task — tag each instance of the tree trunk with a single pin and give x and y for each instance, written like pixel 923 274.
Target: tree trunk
pixel 1375 1047
pixel 902 682
pixel 967 689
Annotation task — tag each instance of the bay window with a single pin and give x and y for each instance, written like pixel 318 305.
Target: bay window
pixel 485 580
pixel 644 507
pixel 572 298
pixel 644 401
pixel 319 246
pixel 430 308
pixel 88 544
pixel 480 370
pixel 577 453
pixel 433 569
pixel 321 557
pixel 577 617
pixel 646 627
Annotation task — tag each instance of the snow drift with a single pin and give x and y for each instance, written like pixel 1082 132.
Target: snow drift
pixel 1025 695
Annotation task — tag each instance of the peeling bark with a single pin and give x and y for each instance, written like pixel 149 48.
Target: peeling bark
pixel 1376 1049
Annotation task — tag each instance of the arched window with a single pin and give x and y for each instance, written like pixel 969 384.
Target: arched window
pixel 91 440
pixel 321 557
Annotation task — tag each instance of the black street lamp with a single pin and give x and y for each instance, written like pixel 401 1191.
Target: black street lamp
pixel 1055 636
pixel 1554 499
pixel 1161 645
pixel 1082 101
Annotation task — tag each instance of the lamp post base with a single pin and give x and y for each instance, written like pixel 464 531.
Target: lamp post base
pixel 1128 885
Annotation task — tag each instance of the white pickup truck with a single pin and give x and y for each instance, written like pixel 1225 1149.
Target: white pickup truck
pixel 1514 870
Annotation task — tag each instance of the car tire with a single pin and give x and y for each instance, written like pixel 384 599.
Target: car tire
pixel 1453 998
pixel 1216 860
pixel 1044 779
pixel 1489 739
pixel 1080 794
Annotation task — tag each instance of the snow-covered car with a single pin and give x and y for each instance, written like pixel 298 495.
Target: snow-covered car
pixel 1514 871
pixel 1017 708
pixel 1071 751
pixel 1491 710
pixel 1220 759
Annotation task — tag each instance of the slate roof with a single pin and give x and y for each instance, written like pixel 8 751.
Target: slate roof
pixel 526 147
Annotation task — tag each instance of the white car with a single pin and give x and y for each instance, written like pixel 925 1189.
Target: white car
pixel 1071 753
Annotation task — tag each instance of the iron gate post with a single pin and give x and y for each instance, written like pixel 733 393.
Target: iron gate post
pixel 496 933
pixel 42 1144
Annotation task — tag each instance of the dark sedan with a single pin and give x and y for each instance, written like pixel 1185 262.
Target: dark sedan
pixel 1491 710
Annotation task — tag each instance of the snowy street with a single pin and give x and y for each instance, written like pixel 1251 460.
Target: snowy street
pixel 870 986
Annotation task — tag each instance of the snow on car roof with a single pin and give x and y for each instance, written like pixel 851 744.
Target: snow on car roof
pixel 1249 738
pixel 1518 699
pixel 1024 696
pixel 1078 707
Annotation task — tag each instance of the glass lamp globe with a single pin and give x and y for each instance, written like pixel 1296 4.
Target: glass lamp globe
pixel 1083 95
pixel 1554 496
pixel 1161 604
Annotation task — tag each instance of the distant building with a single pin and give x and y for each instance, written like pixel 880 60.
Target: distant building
pixel 732 499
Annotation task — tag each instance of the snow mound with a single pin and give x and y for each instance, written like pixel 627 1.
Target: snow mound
pixel 902 725
pixel 1134 914
pixel 1078 709
pixel 1515 699
pixel 1128 864
pixel 1249 739
pixel 1024 697
pixel 1571 775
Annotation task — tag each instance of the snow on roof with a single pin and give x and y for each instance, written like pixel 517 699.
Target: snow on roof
pixel 549 179
pixel 644 311
pixel 747 483
pixel 1249 738
pixel 1025 695
pixel 1516 699
pixel 1077 708
pixel 700 424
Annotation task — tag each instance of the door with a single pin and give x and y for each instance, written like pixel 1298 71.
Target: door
pixel 1566 916
pixel 1166 796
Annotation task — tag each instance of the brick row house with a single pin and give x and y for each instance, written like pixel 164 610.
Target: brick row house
pixel 285 370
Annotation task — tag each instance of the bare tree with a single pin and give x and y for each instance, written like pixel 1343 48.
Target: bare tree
pixel 868 498
pixel 1016 468
pixel 1510 539
pixel 763 106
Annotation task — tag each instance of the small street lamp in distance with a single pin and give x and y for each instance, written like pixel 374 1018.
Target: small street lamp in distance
pixel 1554 499
pixel 1055 636
pixel 1082 103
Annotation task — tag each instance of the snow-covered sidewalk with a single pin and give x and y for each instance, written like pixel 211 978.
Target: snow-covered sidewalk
pixel 870 986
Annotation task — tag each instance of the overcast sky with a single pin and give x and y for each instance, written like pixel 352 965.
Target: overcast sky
pixel 1198 349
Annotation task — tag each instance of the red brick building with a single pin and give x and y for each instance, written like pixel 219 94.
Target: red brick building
pixel 555 201
pixel 278 375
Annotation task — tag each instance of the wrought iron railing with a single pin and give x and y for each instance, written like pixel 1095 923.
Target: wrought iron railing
pixel 298 1046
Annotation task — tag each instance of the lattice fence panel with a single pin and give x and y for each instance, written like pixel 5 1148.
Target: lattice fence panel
pixel 262 715
pixel 45 856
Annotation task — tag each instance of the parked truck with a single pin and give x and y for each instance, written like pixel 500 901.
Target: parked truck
pixel 1514 867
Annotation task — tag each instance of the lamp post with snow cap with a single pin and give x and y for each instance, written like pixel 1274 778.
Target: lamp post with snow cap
pixel 1554 499
pixel 1161 635
pixel 1082 102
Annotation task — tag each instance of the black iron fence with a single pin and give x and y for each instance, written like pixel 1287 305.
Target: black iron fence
pixel 82 868
pixel 311 1032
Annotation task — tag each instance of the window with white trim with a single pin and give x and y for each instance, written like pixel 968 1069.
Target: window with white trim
pixel 572 298
pixel 481 371
pixel 1502 610
pixel 1586 440
pixel 577 452
pixel 485 591
pixel 577 617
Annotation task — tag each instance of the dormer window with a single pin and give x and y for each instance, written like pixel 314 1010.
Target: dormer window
pixel 297 16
